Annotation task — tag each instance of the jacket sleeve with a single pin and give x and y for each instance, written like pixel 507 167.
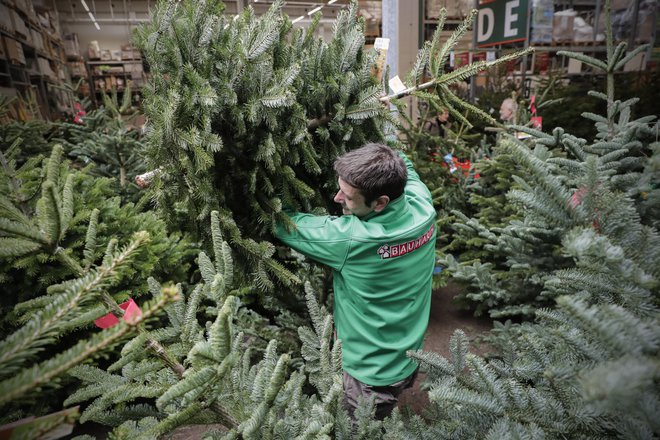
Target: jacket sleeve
pixel 414 185
pixel 322 238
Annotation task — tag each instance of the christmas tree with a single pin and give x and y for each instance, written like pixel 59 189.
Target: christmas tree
pixel 214 377
pixel 518 258
pixel 250 117
pixel 70 252
pixel 105 137
pixel 585 369
pixel 581 242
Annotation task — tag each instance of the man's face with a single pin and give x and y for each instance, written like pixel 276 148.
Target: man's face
pixel 505 112
pixel 352 201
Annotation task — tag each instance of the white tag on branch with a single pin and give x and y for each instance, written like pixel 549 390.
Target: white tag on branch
pixel 382 43
pixel 397 85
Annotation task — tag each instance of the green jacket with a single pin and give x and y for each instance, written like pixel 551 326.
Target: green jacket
pixel 382 267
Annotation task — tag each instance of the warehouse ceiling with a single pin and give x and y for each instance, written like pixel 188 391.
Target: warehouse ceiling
pixel 137 11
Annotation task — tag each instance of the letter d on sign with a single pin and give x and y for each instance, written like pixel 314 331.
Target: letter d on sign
pixel 486 24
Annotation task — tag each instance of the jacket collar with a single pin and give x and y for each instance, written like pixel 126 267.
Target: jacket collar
pixel 393 209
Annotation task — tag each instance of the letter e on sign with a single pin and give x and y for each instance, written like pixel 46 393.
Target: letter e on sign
pixel 502 21
pixel 510 18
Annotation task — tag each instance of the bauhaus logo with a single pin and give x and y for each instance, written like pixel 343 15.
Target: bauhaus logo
pixel 397 250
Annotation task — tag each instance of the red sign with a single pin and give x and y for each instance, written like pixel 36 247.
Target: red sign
pixel 131 313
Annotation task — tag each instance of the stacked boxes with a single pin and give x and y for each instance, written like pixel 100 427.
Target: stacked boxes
pixel 542 21
pixel 563 24
pixel 33 51
pixel 71 46
pixel 77 69
pixel 14 51
pixel 37 39
pixel 20 28
pixel 433 8
pixel 5 19
pixel 457 9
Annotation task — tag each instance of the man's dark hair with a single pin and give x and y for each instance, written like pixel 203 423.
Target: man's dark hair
pixel 375 170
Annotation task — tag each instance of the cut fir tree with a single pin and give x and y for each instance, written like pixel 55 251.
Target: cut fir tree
pixel 247 115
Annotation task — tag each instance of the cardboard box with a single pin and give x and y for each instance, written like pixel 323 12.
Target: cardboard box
pixel 71 49
pixel 645 27
pixel 45 68
pixel 562 26
pixel 44 20
pixel 458 8
pixel 93 50
pixel 20 28
pixel 14 51
pixel 137 69
pixel 5 19
pixel 131 54
pixel 637 63
pixel 25 6
pixel 541 34
pixel 71 46
pixel 37 39
pixel 542 22
pixel 77 68
pixel 542 13
pixel 433 8
pixel 372 28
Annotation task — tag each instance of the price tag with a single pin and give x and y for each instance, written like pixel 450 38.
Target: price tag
pixel 382 43
pixel 397 85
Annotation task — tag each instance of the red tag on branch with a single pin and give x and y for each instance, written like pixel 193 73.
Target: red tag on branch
pixel 537 122
pixel 131 313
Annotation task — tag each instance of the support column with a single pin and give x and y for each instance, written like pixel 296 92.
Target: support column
pixel 401 25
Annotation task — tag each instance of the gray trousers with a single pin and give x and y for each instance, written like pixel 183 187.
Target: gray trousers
pixel 385 397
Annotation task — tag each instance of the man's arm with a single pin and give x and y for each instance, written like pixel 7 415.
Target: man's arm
pixel 414 185
pixel 322 238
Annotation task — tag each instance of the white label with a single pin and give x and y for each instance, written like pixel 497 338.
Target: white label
pixel 382 43
pixel 397 85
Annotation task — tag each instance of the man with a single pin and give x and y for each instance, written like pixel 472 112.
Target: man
pixel 436 126
pixel 508 110
pixel 382 252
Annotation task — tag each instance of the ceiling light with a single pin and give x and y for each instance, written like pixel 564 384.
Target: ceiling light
pixel 91 16
pixel 318 8
pixel 331 2
pixel 84 5
pixel 97 26
pixel 296 20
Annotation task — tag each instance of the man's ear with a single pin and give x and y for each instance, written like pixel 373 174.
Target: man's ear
pixel 380 203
